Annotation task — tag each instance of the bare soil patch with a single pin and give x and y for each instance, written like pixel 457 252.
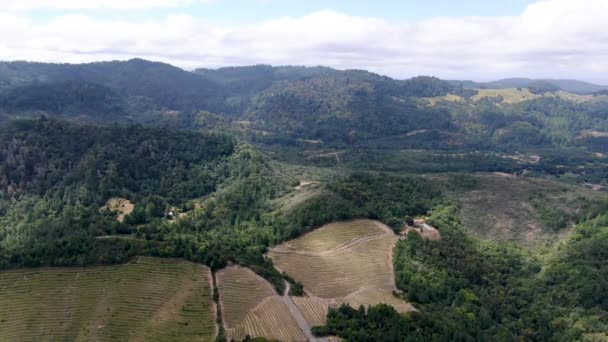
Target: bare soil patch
pixel 121 206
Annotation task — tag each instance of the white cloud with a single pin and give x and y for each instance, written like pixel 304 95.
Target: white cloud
pixel 553 38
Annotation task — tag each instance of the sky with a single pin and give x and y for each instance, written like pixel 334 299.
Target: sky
pixel 459 39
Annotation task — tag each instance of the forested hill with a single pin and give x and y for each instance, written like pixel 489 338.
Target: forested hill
pixel 198 196
pixel 163 84
pixel 322 106
pixel 55 177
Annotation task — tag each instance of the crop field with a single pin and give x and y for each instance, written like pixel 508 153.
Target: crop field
pixel 272 320
pixel 344 262
pixel 334 235
pixel 241 290
pixel 148 299
pixel 314 310
pixel 250 306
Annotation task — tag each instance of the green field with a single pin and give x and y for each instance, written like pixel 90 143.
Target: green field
pixel 147 299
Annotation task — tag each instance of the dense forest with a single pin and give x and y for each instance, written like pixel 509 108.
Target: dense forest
pixel 55 177
pixel 288 105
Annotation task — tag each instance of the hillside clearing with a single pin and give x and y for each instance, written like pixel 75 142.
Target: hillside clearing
pixel 121 206
pixel 302 193
pixel 146 299
pixel 508 95
pixel 504 207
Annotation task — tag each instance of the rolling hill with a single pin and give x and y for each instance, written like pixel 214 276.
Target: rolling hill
pixel 146 202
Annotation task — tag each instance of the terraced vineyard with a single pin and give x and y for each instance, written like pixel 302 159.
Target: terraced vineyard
pixel 241 290
pixel 148 299
pixel 272 320
pixel 314 310
pixel 250 306
pixel 346 262
pixel 335 234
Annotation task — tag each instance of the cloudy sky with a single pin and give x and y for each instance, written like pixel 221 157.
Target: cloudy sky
pixel 454 39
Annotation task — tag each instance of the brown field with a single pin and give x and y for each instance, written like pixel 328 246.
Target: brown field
pixel 250 306
pixel 121 206
pixel 146 300
pixel 241 290
pixel 314 310
pixel 333 235
pixel 272 320
pixel 344 262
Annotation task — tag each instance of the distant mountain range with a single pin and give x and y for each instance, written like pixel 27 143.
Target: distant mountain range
pixel 572 86
pixel 289 105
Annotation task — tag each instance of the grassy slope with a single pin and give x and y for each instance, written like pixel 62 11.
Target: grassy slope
pixel 147 299
pixel 527 210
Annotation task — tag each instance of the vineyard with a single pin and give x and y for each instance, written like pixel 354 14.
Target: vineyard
pixel 241 291
pixel 334 235
pixel 250 306
pixel 272 320
pixel 346 262
pixel 148 299
pixel 314 310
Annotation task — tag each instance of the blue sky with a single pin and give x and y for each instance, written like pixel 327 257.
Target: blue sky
pixel 251 11
pixel 465 39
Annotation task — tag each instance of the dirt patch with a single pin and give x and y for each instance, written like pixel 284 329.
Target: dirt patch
pixel 594 134
pixel 304 184
pixel 303 192
pixel 425 230
pixel 121 206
